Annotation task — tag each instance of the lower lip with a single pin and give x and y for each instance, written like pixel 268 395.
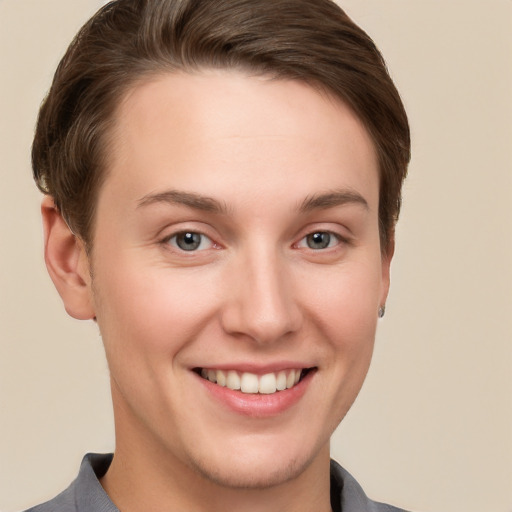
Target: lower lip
pixel 255 404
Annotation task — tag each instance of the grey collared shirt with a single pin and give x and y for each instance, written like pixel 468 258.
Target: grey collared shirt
pixel 86 494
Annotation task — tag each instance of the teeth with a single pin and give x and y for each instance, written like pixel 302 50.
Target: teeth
pixel 221 378
pixel 281 381
pixel 268 384
pixel 233 380
pixel 248 382
pixel 290 380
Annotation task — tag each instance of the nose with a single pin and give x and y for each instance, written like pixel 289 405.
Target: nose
pixel 260 301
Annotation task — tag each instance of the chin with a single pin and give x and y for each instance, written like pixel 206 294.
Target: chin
pixel 261 466
pixel 251 476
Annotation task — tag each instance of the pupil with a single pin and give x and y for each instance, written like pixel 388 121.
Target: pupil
pixel 319 240
pixel 189 241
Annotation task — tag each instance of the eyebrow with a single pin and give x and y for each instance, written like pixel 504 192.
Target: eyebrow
pixel 209 204
pixel 332 199
pixel 190 199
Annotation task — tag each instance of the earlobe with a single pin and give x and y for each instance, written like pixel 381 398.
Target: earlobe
pixel 67 263
pixel 386 257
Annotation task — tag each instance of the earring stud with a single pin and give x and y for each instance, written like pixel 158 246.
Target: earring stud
pixel 382 311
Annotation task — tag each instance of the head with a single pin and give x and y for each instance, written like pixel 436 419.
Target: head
pixel 226 178
pixel 129 41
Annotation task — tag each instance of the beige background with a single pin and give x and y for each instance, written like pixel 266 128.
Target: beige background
pixel 432 429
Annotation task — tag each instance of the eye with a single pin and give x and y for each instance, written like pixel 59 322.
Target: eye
pixel 320 240
pixel 190 241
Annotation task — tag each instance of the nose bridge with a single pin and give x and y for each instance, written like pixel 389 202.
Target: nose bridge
pixel 263 306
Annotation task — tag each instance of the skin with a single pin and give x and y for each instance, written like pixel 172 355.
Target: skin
pixel 253 293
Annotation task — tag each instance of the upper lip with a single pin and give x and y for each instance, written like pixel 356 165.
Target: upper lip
pixel 256 368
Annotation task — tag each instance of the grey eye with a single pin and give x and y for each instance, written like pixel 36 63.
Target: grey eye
pixel 320 240
pixel 190 241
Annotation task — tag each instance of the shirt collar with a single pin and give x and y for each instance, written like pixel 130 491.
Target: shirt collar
pixel 89 493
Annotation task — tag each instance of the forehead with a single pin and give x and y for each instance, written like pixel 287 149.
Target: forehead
pixel 192 130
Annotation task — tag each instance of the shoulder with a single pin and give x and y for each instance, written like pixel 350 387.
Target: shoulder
pixel 350 495
pixel 64 502
pixel 85 494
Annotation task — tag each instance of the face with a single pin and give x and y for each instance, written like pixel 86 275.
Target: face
pixel 236 245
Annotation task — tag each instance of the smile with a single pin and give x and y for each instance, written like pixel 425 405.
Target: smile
pixel 251 383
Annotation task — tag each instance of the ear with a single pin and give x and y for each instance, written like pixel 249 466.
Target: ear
pixel 67 263
pixel 386 258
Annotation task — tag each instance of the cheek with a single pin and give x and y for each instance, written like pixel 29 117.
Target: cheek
pixel 345 300
pixel 349 323
pixel 345 310
pixel 155 311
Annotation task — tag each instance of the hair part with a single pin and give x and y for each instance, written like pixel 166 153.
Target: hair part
pixel 128 41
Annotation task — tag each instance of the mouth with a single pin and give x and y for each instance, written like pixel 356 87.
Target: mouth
pixel 251 383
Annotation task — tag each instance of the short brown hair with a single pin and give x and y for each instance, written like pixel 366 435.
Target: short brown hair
pixel 128 40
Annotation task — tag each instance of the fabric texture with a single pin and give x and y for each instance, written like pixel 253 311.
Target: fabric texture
pixel 86 494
